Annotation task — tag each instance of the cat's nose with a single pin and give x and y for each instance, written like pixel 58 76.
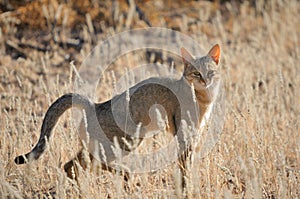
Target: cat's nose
pixel 208 83
pixel 203 82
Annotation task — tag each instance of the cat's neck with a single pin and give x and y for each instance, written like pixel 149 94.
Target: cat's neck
pixel 203 97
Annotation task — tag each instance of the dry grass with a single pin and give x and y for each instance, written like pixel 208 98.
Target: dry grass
pixel 258 155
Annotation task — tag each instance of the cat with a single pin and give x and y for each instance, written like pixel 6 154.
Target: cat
pixel 188 98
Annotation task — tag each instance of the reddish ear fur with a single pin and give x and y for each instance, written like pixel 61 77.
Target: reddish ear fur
pixel 186 56
pixel 215 53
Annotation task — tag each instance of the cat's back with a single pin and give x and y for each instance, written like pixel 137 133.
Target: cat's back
pixel 153 88
pixel 146 98
pixel 154 92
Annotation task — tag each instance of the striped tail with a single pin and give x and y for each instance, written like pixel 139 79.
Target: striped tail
pixel 54 112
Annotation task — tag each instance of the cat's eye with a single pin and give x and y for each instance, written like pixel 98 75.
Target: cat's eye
pixel 197 74
pixel 211 73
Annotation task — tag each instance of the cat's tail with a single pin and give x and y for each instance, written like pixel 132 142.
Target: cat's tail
pixel 54 112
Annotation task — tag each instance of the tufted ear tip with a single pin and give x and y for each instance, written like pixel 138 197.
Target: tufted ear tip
pixel 215 53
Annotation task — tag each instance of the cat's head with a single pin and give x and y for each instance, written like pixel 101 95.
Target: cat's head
pixel 202 72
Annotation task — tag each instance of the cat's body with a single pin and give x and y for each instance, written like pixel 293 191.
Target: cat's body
pixel 122 115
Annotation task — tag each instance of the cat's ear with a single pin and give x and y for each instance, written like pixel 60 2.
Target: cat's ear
pixel 186 56
pixel 215 53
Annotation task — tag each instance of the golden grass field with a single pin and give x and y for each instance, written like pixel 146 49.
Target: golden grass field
pixel 258 154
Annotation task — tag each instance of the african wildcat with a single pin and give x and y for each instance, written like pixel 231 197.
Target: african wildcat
pixel 175 96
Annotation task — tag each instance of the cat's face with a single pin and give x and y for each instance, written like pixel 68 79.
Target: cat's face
pixel 202 72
